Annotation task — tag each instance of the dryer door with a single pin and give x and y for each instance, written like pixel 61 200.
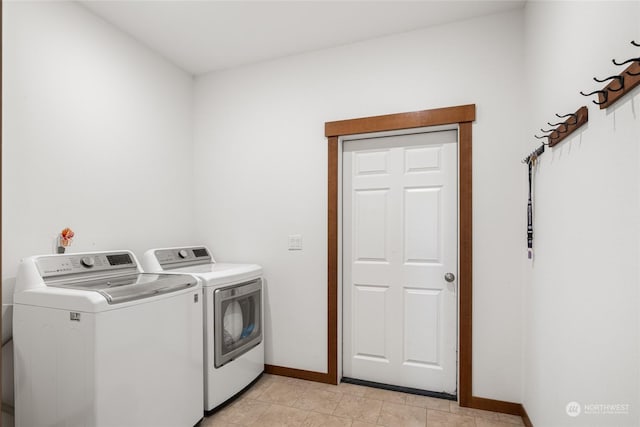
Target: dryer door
pixel 237 320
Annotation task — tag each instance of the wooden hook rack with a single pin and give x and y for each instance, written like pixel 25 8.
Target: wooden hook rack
pixel 573 123
pixel 613 91
pixel 619 85
pixel 566 128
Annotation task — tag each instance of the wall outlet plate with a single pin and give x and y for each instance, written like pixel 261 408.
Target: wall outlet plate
pixel 295 242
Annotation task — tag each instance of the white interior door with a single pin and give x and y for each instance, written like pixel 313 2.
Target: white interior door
pixel 400 239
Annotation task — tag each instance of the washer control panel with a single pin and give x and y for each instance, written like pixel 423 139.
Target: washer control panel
pixel 60 265
pixel 88 261
pixel 183 256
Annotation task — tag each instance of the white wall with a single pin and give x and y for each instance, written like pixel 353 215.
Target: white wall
pixel 260 165
pixel 582 296
pixel 96 136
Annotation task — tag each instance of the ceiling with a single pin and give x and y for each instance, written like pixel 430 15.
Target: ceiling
pixel 204 36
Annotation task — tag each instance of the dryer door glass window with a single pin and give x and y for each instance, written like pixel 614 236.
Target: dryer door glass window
pixel 237 320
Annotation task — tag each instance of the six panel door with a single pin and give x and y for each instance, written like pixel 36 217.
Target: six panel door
pixel 400 237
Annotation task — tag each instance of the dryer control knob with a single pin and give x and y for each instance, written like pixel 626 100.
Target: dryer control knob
pixel 183 253
pixel 87 261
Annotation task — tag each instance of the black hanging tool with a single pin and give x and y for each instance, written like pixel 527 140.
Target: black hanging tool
pixel 531 161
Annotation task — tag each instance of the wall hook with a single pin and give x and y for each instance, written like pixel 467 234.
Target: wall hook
pixel 605 95
pixel 620 80
pixel 573 115
pixel 566 126
pixel 542 137
pixel 633 42
pixel 625 62
pixel 551 134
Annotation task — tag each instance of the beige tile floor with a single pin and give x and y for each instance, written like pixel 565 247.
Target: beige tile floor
pixel 282 401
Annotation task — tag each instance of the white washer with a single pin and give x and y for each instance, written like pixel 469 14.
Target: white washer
pixel 98 343
pixel 233 317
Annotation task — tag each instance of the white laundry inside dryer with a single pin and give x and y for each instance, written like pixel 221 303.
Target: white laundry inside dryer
pixel 237 309
pixel 233 323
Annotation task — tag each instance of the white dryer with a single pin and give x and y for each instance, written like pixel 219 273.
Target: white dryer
pixel 233 317
pixel 98 343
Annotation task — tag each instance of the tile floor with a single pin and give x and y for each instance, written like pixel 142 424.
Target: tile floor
pixel 282 401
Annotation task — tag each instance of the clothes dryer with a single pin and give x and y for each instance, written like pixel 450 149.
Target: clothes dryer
pixel 233 317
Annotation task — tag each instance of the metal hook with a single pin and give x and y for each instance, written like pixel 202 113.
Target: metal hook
pixel 605 95
pixel 542 137
pixel 625 62
pixel 566 127
pixel 574 115
pixel 633 42
pixel 619 78
pixel 630 60
pixel 553 134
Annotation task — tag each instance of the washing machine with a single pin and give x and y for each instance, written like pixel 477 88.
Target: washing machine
pixel 99 343
pixel 233 317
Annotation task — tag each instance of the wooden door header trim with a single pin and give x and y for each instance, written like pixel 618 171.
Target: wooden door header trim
pixel 437 116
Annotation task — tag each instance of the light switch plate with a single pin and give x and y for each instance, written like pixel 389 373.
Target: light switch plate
pixel 295 242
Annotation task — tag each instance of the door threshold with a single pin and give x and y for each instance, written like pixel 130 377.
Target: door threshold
pixel 401 389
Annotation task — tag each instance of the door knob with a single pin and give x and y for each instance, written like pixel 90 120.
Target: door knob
pixel 449 277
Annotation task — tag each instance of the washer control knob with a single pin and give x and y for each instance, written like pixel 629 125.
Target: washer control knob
pixel 87 261
pixel 183 253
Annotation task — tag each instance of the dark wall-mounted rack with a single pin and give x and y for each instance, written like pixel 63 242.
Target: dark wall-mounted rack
pixel 564 129
pixel 620 84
